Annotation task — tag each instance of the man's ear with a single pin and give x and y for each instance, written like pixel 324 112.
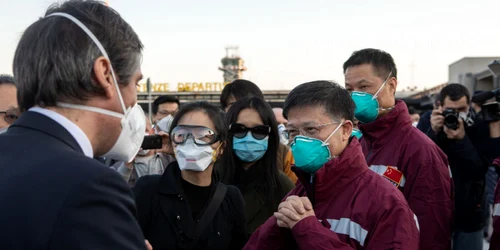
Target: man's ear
pixel 393 84
pixel 347 131
pixel 103 77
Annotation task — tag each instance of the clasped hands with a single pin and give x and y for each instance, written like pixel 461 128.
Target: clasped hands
pixel 293 210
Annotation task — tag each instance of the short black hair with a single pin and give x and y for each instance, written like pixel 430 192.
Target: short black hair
pixel 164 99
pixel 412 111
pixel 336 100
pixel 7 79
pixel 267 167
pixel 216 116
pixel 239 89
pixel 455 92
pixel 382 62
pixel 54 59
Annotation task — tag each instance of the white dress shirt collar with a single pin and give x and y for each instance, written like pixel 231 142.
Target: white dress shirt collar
pixel 75 131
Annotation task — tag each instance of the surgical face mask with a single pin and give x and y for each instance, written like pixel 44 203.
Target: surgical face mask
pixel 133 124
pixel 249 149
pixel 194 157
pixel 164 124
pixel 311 154
pixel 367 105
pixel 283 139
pixel 356 133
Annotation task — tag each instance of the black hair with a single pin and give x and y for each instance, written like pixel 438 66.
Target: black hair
pixel 330 95
pixel 7 79
pixel 164 99
pixel 267 167
pixel 455 92
pixel 54 59
pixel 213 112
pixel 239 89
pixel 412 111
pixel 382 62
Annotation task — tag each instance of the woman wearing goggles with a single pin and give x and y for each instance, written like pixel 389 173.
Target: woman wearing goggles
pixel 191 210
pixel 250 160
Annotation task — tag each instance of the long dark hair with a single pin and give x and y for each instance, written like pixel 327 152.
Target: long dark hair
pixel 266 168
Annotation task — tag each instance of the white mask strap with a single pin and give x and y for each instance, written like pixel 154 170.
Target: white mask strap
pixel 382 86
pixel 101 48
pixel 325 142
pixel 92 109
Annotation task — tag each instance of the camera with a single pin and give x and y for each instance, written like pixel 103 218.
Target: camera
pixel 451 118
pixel 489 111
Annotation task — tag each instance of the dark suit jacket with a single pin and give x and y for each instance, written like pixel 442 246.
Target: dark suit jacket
pixel 54 197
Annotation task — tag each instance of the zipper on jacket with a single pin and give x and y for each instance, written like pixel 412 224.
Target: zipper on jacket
pixel 313 193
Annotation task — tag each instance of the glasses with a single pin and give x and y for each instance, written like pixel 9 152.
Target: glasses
pixel 10 115
pixel 166 112
pixel 258 132
pixel 200 135
pixel 309 131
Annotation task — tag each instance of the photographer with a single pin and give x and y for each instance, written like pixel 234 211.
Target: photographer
pixel 466 144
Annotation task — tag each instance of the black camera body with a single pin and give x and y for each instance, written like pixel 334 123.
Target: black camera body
pixel 451 117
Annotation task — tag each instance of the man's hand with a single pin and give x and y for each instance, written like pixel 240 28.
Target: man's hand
pixel 167 145
pixel 457 134
pixel 437 120
pixel 293 210
pixel 495 129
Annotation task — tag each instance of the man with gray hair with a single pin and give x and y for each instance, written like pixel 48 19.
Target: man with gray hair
pixel 8 102
pixel 76 70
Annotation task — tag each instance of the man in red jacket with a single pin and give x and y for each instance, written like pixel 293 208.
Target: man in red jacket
pixel 338 202
pixel 398 151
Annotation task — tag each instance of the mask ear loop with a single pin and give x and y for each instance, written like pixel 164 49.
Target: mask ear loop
pixel 326 143
pixel 214 153
pixel 99 45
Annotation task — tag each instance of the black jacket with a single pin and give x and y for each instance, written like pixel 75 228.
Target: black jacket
pixel 166 219
pixel 469 160
pixel 54 197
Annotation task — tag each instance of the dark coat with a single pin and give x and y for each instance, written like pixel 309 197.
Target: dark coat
pixel 54 197
pixel 166 219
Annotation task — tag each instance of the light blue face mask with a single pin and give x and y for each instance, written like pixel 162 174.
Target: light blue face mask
pixel 367 106
pixel 356 133
pixel 311 154
pixel 249 149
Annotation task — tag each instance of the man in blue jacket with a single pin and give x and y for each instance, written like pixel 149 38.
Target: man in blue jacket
pixel 78 95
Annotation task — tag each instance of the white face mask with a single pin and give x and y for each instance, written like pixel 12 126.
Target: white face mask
pixel 132 120
pixel 164 124
pixel 414 124
pixel 193 157
pixel 283 139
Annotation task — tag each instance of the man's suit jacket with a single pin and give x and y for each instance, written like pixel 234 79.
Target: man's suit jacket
pixel 54 197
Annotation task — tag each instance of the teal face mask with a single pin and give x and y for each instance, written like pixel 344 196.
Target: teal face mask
pixel 367 106
pixel 311 154
pixel 357 133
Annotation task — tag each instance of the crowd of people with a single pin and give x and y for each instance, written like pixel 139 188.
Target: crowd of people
pixel 336 167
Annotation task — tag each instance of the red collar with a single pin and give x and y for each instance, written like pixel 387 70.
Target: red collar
pixel 380 129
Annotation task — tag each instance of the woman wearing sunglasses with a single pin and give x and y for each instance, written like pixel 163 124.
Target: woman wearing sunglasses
pixel 185 208
pixel 250 161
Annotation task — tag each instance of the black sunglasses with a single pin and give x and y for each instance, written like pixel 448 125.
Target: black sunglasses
pixel 11 115
pixel 258 132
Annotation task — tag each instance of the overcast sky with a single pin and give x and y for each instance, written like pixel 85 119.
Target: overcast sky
pixel 288 42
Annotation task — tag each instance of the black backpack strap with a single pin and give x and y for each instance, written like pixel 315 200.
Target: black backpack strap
pixel 212 208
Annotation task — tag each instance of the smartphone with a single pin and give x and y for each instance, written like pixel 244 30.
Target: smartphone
pixel 152 142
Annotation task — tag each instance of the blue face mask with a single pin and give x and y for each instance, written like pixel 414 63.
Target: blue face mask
pixel 357 133
pixel 367 106
pixel 249 149
pixel 311 154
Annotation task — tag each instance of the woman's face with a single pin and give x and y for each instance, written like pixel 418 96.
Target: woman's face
pixel 198 118
pixel 249 118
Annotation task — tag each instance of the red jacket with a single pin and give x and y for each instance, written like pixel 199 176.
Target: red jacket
pixel 495 237
pixel 355 209
pixel 417 166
